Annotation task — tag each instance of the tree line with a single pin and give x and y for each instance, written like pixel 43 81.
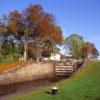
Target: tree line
pixel 31 32
pixel 79 49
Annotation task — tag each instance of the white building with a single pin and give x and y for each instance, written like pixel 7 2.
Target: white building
pixel 55 57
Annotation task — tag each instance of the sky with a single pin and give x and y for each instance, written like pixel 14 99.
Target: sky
pixel 73 16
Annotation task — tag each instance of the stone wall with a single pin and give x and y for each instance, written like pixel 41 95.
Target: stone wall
pixel 29 72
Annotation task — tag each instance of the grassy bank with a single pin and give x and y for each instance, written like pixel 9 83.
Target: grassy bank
pixel 83 85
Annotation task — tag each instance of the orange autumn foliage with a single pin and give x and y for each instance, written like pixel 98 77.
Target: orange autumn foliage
pixel 15 23
pixel 89 49
pixel 12 65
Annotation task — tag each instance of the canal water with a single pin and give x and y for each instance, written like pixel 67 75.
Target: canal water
pixel 19 89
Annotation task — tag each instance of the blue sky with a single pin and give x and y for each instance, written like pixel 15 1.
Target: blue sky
pixel 74 16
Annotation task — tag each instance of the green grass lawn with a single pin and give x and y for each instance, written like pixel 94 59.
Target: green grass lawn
pixel 83 85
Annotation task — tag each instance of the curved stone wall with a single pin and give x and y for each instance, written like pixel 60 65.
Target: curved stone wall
pixel 29 72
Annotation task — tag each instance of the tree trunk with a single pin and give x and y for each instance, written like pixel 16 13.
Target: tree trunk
pixel 25 50
pixel 36 53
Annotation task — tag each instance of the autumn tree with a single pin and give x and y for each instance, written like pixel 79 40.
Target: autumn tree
pixel 41 27
pixel 95 53
pixel 34 25
pixel 89 51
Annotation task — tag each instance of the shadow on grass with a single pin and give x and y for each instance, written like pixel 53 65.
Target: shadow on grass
pixel 47 92
pixel 97 98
